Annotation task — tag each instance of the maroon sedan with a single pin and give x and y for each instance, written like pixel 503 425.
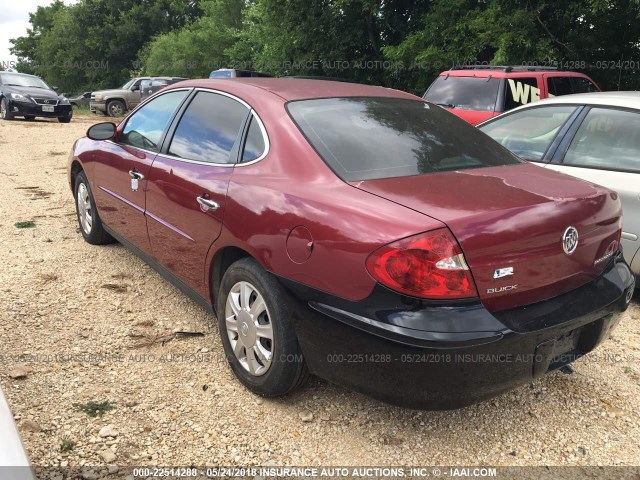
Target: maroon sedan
pixel 357 233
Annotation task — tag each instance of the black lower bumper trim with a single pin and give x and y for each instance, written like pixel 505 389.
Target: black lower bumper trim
pixel 369 347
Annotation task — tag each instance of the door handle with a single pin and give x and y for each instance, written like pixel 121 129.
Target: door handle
pixel 135 175
pixel 208 204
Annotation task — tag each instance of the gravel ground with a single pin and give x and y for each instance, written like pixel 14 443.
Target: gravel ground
pixel 176 404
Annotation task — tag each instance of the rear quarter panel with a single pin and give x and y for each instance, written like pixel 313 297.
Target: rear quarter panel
pixel 293 187
pixel 627 185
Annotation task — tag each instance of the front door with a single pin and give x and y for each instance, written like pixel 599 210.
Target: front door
pixel 187 185
pixel 121 172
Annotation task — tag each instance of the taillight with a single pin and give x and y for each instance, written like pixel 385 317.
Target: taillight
pixel 429 265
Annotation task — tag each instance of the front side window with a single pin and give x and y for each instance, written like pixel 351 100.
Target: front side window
pixel 365 138
pixel 209 129
pixel 529 132
pixel 254 145
pixel 607 139
pixel 520 91
pixel 145 127
pixel 465 93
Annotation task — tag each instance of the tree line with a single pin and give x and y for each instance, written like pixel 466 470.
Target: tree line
pixel 403 44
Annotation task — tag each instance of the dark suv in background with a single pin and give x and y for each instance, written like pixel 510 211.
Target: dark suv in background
pixel 478 93
pixel 29 96
pixel 152 85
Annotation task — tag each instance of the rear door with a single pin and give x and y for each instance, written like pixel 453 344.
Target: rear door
pixel 187 187
pixel 122 168
pixel 605 150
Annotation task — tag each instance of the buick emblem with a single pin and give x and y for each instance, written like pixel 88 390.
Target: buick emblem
pixel 570 240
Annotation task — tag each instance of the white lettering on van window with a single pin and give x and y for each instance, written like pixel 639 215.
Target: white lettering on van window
pixel 523 93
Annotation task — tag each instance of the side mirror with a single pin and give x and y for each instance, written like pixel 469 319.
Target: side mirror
pixel 135 88
pixel 102 131
pixel 56 89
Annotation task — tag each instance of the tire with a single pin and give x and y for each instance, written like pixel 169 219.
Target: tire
pixel 64 119
pixel 29 118
pixel 91 226
pixel 116 108
pixel 287 370
pixel 5 114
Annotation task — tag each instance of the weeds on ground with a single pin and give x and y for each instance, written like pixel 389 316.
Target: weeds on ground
pixel 67 446
pixel 95 409
pixel 25 224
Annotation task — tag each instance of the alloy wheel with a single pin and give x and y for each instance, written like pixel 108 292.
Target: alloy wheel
pixel 249 328
pixel 115 109
pixel 84 208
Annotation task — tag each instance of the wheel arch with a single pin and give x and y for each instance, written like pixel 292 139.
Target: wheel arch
pixel 221 262
pixel 74 169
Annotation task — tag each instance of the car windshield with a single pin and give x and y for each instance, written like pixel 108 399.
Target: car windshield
pixel 371 138
pixel 22 80
pixel 466 93
pixel 127 85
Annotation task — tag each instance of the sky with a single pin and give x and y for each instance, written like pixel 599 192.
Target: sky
pixel 14 21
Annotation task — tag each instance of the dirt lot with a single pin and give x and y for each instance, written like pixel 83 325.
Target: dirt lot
pixel 61 296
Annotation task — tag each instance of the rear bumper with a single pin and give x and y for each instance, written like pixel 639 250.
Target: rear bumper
pixel 33 109
pixel 403 351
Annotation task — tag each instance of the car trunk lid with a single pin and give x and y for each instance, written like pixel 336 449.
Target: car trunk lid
pixel 514 217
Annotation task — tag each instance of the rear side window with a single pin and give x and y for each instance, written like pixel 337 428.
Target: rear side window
pixel 208 129
pixel 145 127
pixel 466 93
pixel 520 91
pixel 583 85
pixel 559 86
pixel 371 138
pixel 607 139
pixel 529 132
pixel 254 145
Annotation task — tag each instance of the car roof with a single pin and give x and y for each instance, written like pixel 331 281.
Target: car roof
pixel 296 88
pixel 484 73
pixel 609 99
pixel 612 99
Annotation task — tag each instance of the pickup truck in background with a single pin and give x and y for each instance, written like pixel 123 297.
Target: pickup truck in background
pixel 118 101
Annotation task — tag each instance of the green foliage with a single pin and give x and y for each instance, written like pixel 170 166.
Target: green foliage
pixel 95 43
pixel 397 43
pixel 25 224
pixel 577 34
pixel 67 445
pixel 95 409
pixel 199 47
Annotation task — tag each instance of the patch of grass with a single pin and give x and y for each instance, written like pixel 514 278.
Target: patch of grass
pixel 82 111
pixel 95 409
pixel 25 224
pixel 67 445
pixel 628 370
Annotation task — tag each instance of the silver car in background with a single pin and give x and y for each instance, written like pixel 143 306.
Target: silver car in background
pixel 14 463
pixel 593 136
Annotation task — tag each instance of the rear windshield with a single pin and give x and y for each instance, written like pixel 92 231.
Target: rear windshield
pixel 466 93
pixel 371 138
